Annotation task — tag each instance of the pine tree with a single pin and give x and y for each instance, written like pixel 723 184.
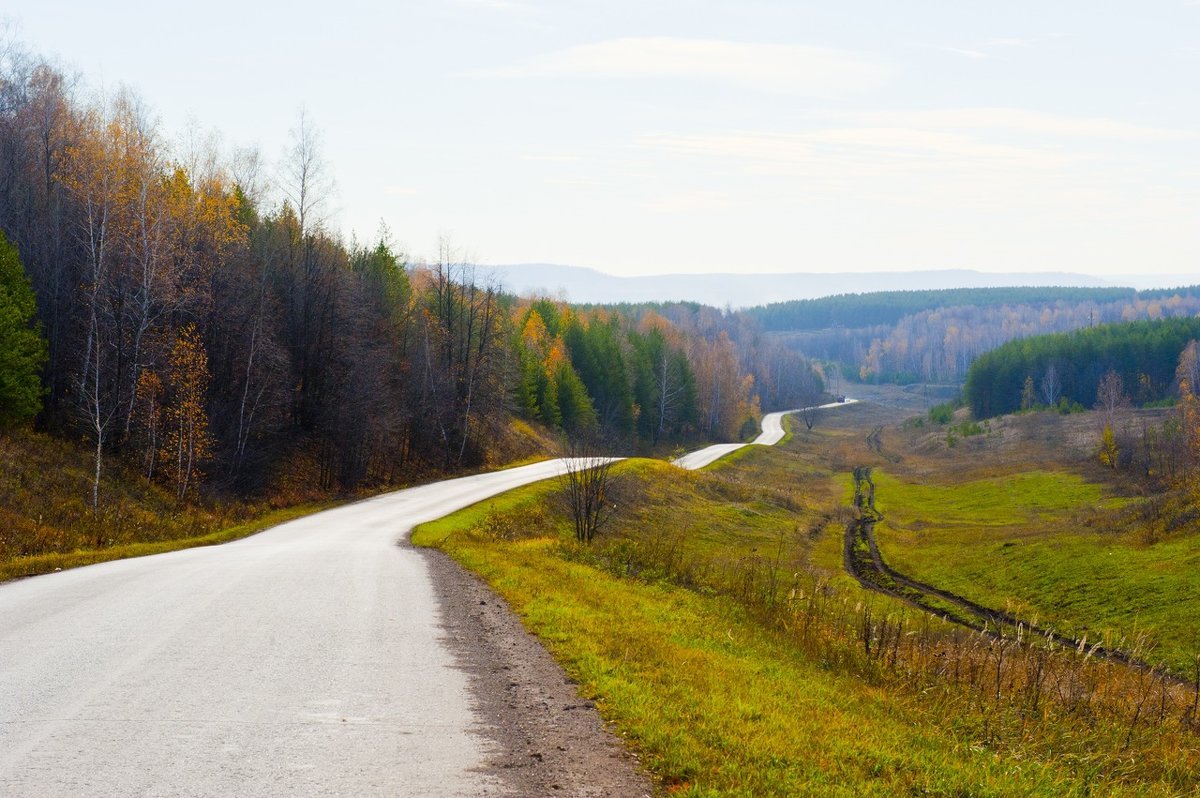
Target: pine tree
pixel 22 348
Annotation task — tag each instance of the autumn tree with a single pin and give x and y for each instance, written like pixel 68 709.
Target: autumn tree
pixel 664 385
pixel 186 439
pixel 1188 368
pixel 148 421
pixel 723 393
pixel 1189 403
pixel 95 181
pixel 1109 451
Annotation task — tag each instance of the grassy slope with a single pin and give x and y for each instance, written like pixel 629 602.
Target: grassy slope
pixel 46 523
pixel 717 704
pixel 1064 544
pixel 654 625
pixel 34 564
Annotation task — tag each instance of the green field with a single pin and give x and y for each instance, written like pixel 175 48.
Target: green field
pixel 1051 546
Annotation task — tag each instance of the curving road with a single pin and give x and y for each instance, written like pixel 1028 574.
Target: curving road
pixel 306 660
pixel 772 433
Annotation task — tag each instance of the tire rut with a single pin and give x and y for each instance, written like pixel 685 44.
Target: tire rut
pixel 863 561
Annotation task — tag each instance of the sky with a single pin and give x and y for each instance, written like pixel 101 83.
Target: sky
pixel 643 137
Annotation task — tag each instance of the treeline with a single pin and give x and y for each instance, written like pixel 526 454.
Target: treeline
pixel 1144 356
pixel 889 307
pixel 780 379
pixel 939 345
pixel 942 344
pixel 204 322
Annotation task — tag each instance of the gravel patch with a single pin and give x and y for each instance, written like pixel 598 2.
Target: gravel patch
pixel 546 740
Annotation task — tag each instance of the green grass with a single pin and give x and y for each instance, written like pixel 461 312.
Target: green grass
pixel 1048 546
pixel 1009 500
pixel 655 623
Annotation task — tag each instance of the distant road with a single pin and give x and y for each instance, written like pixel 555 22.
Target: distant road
pixel 772 433
pixel 305 660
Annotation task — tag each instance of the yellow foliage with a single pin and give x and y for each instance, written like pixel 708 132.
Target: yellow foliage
pixel 534 335
pixel 1108 447
pixel 555 357
pixel 186 442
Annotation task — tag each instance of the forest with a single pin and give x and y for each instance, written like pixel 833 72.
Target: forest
pixel 888 307
pixel 1143 356
pixel 938 343
pixel 192 312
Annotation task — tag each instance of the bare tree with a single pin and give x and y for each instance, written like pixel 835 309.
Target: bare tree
pixel 1111 398
pixel 1051 386
pixel 587 484
pixel 305 176
pixel 810 397
pixel 461 341
pixel 248 172
pixel 93 180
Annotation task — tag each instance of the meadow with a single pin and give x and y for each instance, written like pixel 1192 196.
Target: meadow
pixel 1054 539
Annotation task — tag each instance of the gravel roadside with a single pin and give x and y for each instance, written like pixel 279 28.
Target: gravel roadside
pixel 545 739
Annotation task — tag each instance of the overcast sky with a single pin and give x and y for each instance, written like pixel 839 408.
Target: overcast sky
pixel 636 136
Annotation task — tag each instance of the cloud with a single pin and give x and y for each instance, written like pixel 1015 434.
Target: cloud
pixel 903 170
pixel 576 182
pixel 997 43
pixel 504 6
pixel 1003 41
pixel 984 158
pixel 841 153
pixel 550 157
pixel 782 68
pixel 1023 121
pixel 690 202
pixel 962 52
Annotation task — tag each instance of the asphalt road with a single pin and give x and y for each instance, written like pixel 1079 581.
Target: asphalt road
pixel 772 433
pixel 306 660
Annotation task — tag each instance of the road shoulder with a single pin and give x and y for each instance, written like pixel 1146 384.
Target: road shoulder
pixel 546 739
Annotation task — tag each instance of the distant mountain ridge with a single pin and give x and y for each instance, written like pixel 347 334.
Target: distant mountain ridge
pixel 583 285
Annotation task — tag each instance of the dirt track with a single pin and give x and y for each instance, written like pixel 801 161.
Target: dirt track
pixel 865 563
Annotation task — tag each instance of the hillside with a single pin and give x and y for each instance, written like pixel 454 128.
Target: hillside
pixel 933 336
pixel 747 289
pixel 46 523
pixel 714 624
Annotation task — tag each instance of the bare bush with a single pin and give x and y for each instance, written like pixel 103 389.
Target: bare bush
pixel 587 484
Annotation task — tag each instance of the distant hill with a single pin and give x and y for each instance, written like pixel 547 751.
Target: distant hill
pixel 889 307
pixel 746 290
